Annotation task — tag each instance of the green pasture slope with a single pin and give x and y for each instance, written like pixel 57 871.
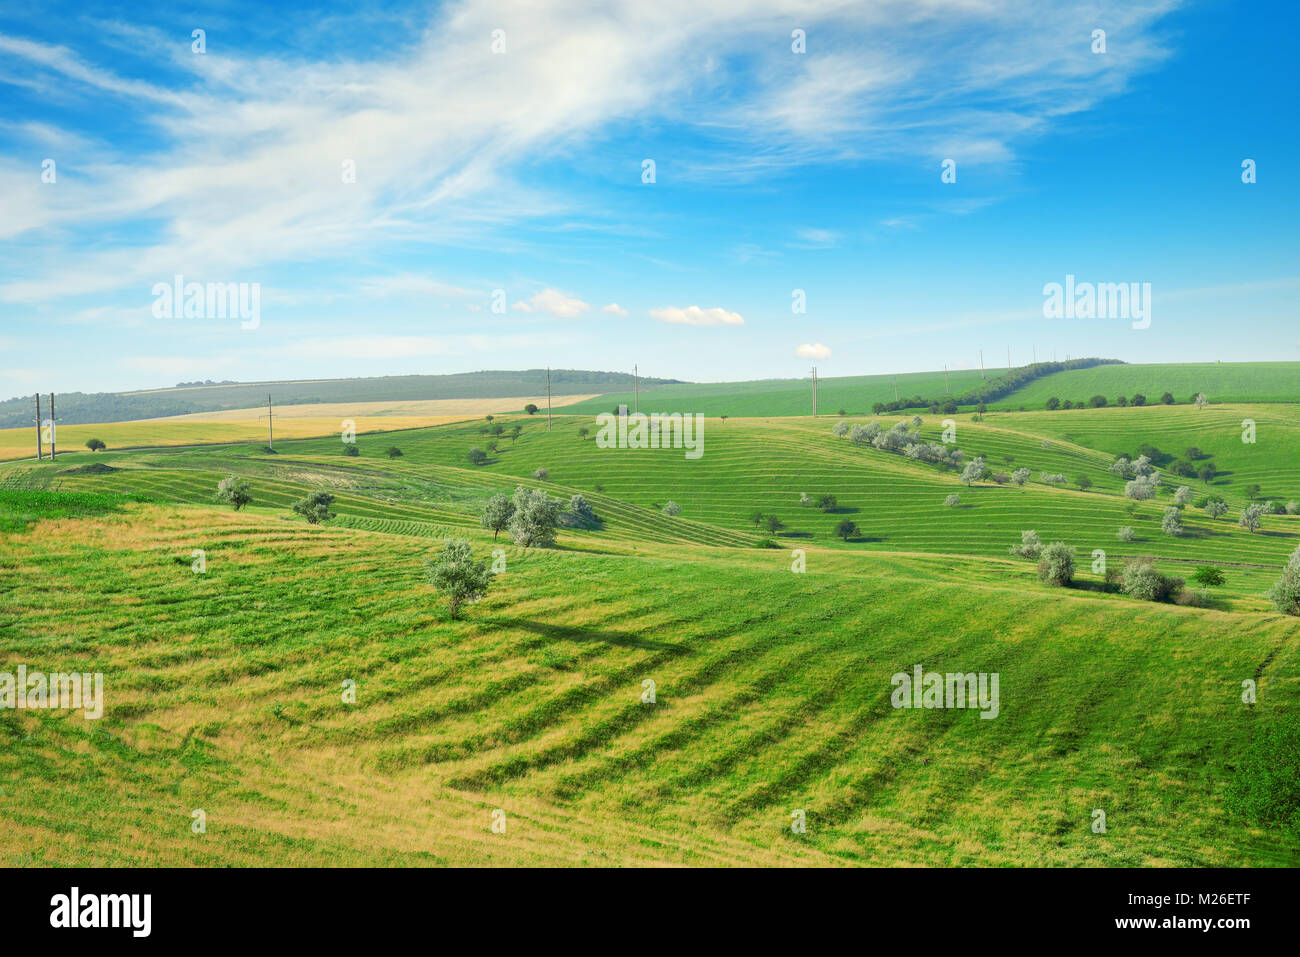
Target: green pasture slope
pixel 777 397
pixel 1269 382
pixel 772 686
pixel 1220 381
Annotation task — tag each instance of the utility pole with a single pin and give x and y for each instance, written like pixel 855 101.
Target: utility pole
pixel 895 386
pixel 1008 358
pixel 946 390
pixel 1035 349
pixel 40 449
pixel 270 427
pixel 814 375
pixel 548 398
pixel 981 363
pixel 52 427
pixel 636 391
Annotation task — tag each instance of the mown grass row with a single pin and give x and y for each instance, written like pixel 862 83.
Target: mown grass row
pixel 772 695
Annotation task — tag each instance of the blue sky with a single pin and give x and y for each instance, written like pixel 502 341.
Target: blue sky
pixel 521 171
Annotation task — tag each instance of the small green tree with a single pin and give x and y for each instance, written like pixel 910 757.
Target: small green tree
pixel 476 456
pixel 350 448
pixel 826 503
pixel 515 433
pixel 583 433
pixel 845 528
pixel 234 491
pixel 456 575
pixel 530 408
pixel 1285 594
pixel 1171 523
pixel 394 452
pixel 672 509
pixel 1250 517
pixel 1083 482
pixel 315 507
pixel 1216 508
pixel 1208 576
pixel 1056 564
pixel 535 518
pixel 95 445
pixel 774 524
pixel 756 517
pixel 497 513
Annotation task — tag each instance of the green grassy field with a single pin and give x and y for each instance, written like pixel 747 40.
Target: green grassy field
pixel 1234 382
pixel 773 687
pixel 1220 381
pixel 779 397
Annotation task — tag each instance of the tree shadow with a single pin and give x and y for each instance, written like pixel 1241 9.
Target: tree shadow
pixel 577 633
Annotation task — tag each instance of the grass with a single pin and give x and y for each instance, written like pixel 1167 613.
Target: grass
pixel 224 688
pixel 779 397
pixel 1220 381
pixel 224 695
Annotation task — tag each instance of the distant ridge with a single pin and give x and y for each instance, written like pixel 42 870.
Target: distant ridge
pixel 78 407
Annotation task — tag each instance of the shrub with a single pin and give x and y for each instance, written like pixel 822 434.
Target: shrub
pixel 234 491
pixel 1182 495
pixel 1052 478
pixel 1020 476
pixel 541 474
pixel 535 517
pixel 1097 401
pixel 1167 398
pixel 350 448
pixel 1125 534
pixel 1250 516
pixel 580 513
pixel 1293 508
pixel 458 576
pixel 1056 564
pixel 1139 489
pixel 1171 523
pixel 1285 594
pixel 840 429
pixel 1030 545
pixel 952 500
pixel 315 507
pixel 672 509
pixel 1209 576
pixel 1143 581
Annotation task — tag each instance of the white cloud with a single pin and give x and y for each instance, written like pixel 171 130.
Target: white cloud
pixel 813 351
pixel 695 316
pixel 614 309
pixel 817 238
pixel 556 303
pixel 520 306
pixel 244 168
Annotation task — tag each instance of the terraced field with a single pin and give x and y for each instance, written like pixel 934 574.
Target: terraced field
pixel 772 688
pixel 1221 381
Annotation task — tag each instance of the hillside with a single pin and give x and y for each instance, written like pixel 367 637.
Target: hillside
pixel 1220 381
pixel 773 688
pixel 780 397
pixel 75 408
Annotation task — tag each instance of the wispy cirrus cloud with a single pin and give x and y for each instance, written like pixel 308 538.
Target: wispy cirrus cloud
pixel 243 168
